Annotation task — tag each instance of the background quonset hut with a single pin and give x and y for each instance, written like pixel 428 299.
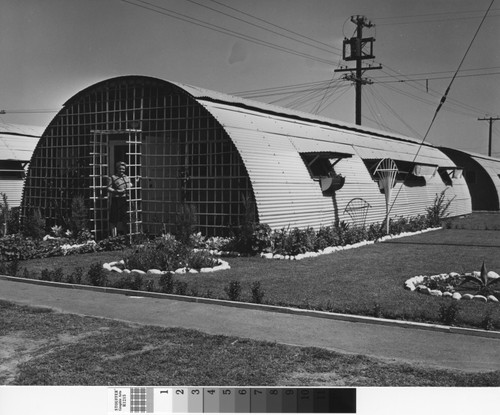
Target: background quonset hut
pixel 210 151
pixel 482 174
pixel 17 143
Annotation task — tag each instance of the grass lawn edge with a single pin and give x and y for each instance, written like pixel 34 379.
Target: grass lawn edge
pixel 266 307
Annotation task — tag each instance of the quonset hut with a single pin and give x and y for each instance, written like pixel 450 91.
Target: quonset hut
pixel 482 174
pixel 213 153
pixel 17 143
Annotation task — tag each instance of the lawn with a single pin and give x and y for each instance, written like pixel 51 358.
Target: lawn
pixel 366 281
pixel 42 347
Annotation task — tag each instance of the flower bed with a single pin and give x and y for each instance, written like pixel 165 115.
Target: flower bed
pixel 332 249
pixel 119 267
pixel 471 286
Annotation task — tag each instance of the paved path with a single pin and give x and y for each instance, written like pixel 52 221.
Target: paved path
pixel 426 347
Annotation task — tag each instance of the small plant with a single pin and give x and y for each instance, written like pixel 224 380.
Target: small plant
pixel 57 231
pixel 130 282
pixel 77 275
pixel 488 323
pixel 97 275
pixel 166 283
pixel 377 310
pixel 13 220
pixel 233 290
pixel 257 292
pixel 186 222
pixel 448 314
pixel 57 275
pixel 439 210
pixel 150 285
pixel 46 275
pixel 4 214
pixel 180 287
pixel 201 259
pixel 482 281
pixel 26 274
pixel 79 215
pixel 34 225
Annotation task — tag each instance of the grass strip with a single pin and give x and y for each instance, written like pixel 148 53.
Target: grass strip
pixel 42 347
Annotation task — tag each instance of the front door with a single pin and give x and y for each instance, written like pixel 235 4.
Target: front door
pixel 108 148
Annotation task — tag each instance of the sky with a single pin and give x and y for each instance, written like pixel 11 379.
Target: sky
pixel 279 51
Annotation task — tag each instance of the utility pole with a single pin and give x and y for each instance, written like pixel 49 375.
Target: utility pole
pixel 490 119
pixel 355 49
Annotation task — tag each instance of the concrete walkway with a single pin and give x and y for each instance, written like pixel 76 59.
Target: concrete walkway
pixel 389 342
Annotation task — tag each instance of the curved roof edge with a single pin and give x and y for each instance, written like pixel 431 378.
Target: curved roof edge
pixel 203 94
pixel 470 153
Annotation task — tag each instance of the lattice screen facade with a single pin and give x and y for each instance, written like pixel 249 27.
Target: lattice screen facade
pixel 183 158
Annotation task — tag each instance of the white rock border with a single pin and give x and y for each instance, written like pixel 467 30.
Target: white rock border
pixel 416 284
pixel 332 249
pixel 112 266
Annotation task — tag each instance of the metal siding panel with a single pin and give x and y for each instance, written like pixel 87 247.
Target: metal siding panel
pixel 285 193
pixel 13 188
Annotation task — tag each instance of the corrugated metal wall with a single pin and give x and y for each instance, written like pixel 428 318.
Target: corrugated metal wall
pixel 285 193
pixel 13 188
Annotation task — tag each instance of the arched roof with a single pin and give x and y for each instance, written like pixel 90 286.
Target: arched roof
pixel 270 140
pixel 491 165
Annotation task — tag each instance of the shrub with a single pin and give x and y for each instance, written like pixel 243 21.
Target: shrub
pixel 129 282
pixel 77 275
pixel 252 238
pixel 46 275
pixel 257 292
pixel 448 314
pixel 439 210
pixel 186 222
pixel 115 243
pixel 13 220
pixel 97 275
pixel 150 285
pixel 79 215
pixel 417 223
pixel 10 268
pixel 164 254
pixel 201 259
pixel 166 283
pixel 233 290
pixel 342 233
pixel 375 231
pixel 180 287
pixel 398 225
pixel 377 310
pixel 488 322
pixel 4 214
pixel 55 275
pixel 325 237
pixel 33 225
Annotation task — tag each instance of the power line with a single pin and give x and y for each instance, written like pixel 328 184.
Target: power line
pixel 434 72
pixel 260 26
pixel 443 99
pixel 275 25
pixel 179 16
pixel 426 89
pixel 432 21
pixel 436 77
pixel 433 14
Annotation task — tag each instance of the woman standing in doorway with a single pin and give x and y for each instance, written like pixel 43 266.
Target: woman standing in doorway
pixel 118 189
